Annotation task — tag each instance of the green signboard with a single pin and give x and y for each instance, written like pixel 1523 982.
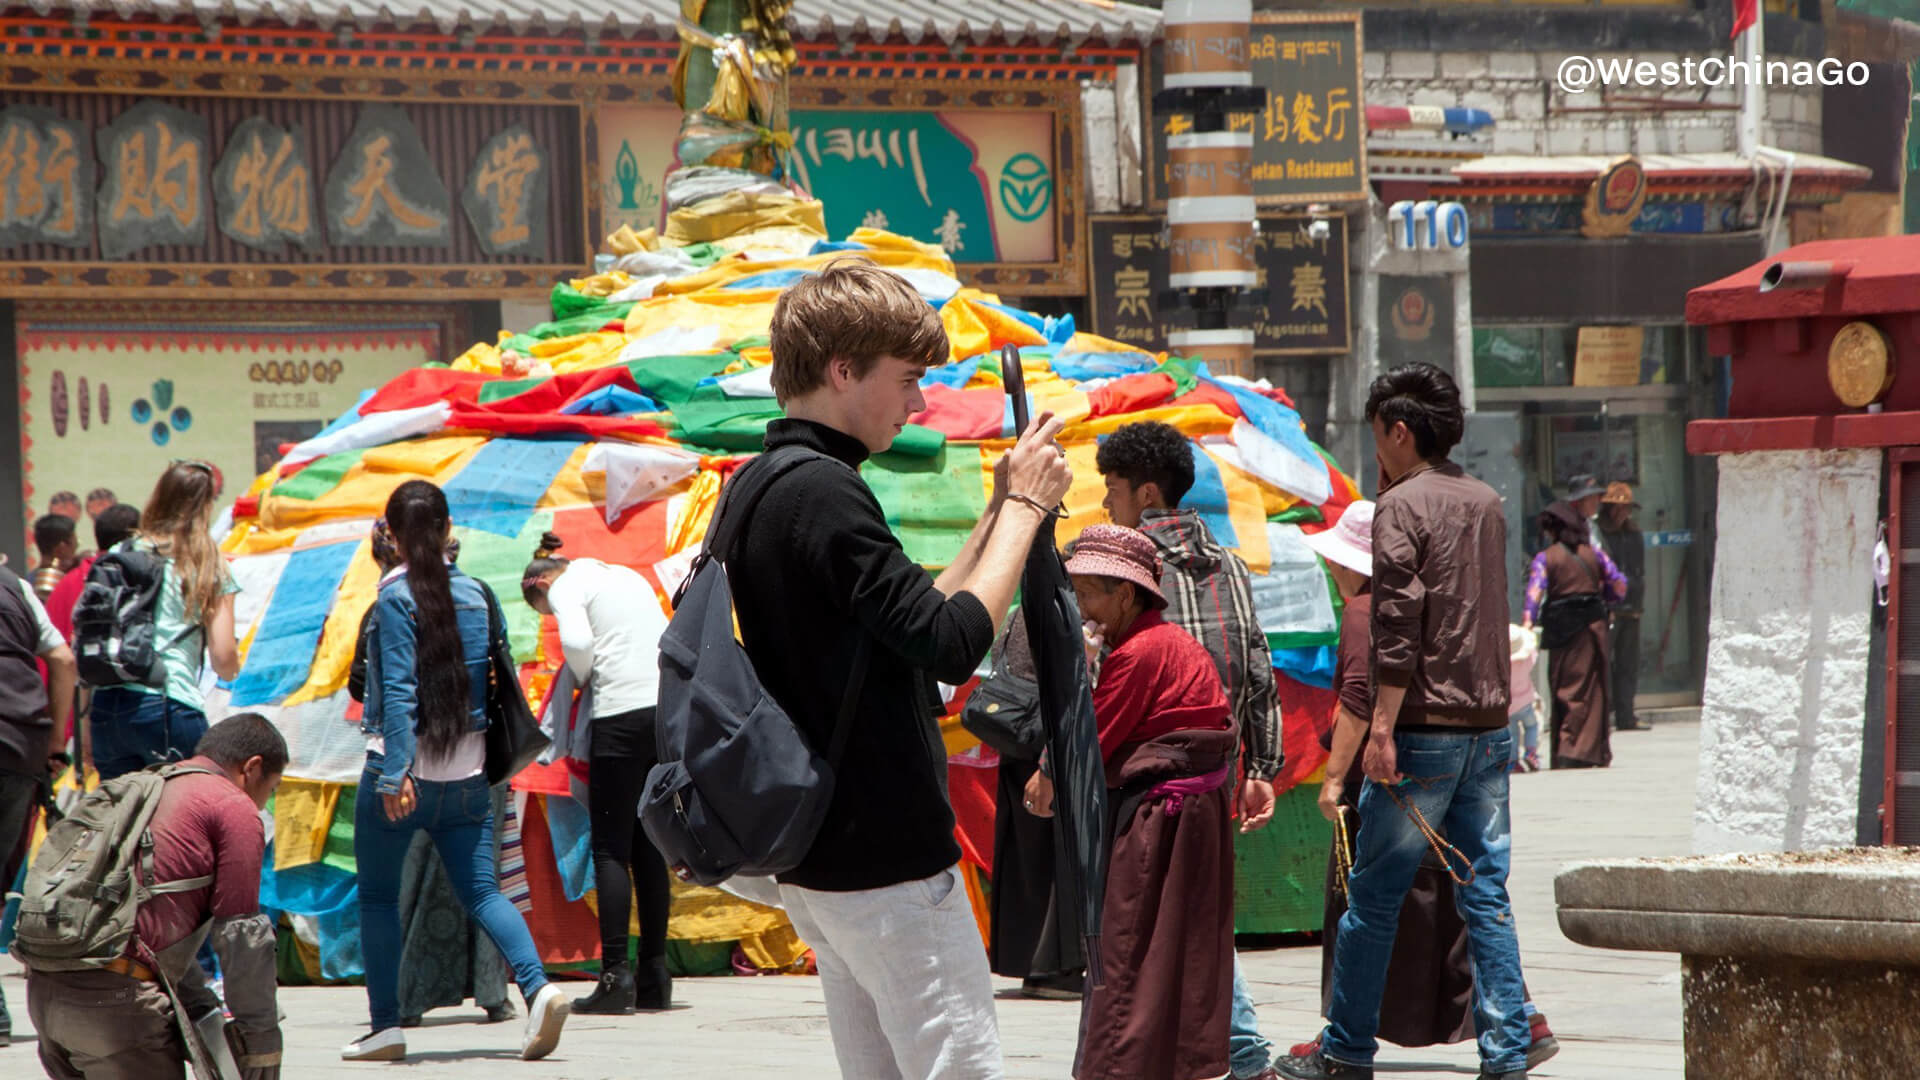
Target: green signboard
pixel 979 184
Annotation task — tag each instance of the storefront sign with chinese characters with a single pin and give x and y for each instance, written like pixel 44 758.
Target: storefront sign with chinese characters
pixel 155 187
pixel 384 189
pixel 164 197
pixel 1303 278
pixel 46 179
pixel 1310 141
pixel 264 189
pixel 506 196
pixel 1608 355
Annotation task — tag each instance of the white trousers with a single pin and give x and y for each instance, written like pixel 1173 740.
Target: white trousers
pixel 905 975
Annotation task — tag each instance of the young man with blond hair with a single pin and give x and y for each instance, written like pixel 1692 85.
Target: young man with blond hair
pixel 815 573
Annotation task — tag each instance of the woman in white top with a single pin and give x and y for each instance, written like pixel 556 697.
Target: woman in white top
pixel 610 623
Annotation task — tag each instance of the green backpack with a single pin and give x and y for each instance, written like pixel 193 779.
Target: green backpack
pixel 93 873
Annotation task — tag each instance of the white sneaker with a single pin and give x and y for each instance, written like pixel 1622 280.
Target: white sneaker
pixel 546 1015
pixel 387 1044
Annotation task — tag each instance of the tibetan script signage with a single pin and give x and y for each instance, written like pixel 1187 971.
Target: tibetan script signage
pixel 384 189
pixel 324 198
pixel 155 189
pixel 1309 142
pixel 987 175
pixel 1304 280
pixel 506 192
pixel 46 179
pixel 264 189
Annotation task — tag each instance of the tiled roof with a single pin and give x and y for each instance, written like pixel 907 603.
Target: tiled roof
pixel 1015 21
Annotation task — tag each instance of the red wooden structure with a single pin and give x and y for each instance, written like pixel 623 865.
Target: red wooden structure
pixel 1777 320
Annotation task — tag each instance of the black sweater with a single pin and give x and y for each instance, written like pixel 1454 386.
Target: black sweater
pixel 814 568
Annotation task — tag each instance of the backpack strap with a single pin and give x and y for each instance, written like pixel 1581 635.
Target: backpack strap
pixel 748 487
pixel 751 484
pixel 147 875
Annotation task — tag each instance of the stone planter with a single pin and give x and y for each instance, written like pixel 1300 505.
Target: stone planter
pixel 1794 965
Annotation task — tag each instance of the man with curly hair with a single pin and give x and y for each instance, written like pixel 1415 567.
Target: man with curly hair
pixel 1148 469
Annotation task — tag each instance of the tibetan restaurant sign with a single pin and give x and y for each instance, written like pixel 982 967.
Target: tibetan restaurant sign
pixel 1303 279
pixel 1310 142
pixel 156 197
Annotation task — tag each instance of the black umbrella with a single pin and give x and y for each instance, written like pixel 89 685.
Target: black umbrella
pixel 1079 773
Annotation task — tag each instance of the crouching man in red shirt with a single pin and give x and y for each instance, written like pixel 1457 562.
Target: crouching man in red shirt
pixel 120 1022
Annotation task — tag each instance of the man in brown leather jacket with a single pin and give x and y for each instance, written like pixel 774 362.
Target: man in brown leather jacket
pixel 1438 747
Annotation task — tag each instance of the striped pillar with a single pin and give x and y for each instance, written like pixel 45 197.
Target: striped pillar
pixel 1210 206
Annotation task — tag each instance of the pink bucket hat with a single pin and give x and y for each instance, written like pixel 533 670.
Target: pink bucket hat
pixel 1118 552
pixel 1350 542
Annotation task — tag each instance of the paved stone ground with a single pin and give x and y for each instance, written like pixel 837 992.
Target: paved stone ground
pixel 1617 1014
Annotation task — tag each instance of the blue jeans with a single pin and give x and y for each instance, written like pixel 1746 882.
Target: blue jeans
pixel 459 818
pixel 133 729
pixel 1247 1053
pixel 1525 728
pixel 1460 783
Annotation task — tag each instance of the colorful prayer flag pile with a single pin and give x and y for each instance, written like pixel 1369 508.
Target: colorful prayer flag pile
pixel 614 426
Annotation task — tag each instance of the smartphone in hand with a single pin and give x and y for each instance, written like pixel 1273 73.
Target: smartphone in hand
pixel 1016 380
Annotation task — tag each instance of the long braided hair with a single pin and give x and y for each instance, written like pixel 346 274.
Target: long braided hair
pixel 417 514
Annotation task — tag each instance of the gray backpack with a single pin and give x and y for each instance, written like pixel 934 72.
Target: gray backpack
pixel 93 873
pixel 738 789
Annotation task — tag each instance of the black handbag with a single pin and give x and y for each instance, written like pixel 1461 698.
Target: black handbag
pixel 1564 618
pixel 514 738
pixel 1004 713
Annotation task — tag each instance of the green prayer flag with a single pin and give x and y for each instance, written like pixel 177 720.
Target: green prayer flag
pixel 319 477
pixel 500 561
pixel 932 502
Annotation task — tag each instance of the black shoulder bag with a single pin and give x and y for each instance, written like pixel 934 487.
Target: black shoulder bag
pixel 1004 713
pixel 514 738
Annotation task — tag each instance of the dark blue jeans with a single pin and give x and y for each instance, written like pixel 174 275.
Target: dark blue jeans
pixel 1459 781
pixel 458 816
pixel 133 729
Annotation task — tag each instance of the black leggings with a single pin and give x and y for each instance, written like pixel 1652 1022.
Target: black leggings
pixel 617 775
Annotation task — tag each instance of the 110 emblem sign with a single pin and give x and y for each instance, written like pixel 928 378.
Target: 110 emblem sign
pixel 1427 226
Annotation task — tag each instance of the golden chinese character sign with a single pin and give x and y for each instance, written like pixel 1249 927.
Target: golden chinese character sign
pixel 1309 143
pixel 110 407
pixel 506 196
pixel 384 190
pixel 1303 279
pixel 46 179
pixel 264 188
pixel 194 196
pixel 155 158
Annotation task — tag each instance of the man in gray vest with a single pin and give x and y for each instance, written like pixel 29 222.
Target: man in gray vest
pixel 29 716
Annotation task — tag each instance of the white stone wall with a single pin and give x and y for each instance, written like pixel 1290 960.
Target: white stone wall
pixel 1787 671
pixel 1529 110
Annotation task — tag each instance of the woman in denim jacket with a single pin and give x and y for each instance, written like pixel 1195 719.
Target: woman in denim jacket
pixel 426 721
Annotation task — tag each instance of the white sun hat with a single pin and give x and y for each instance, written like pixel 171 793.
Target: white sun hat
pixel 1350 542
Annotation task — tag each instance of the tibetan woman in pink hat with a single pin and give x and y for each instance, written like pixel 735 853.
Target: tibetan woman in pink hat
pixel 1170 750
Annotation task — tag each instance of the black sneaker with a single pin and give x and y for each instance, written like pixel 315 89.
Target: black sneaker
pixel 1317 1066
pixel 613 997
pixel 1517 1074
